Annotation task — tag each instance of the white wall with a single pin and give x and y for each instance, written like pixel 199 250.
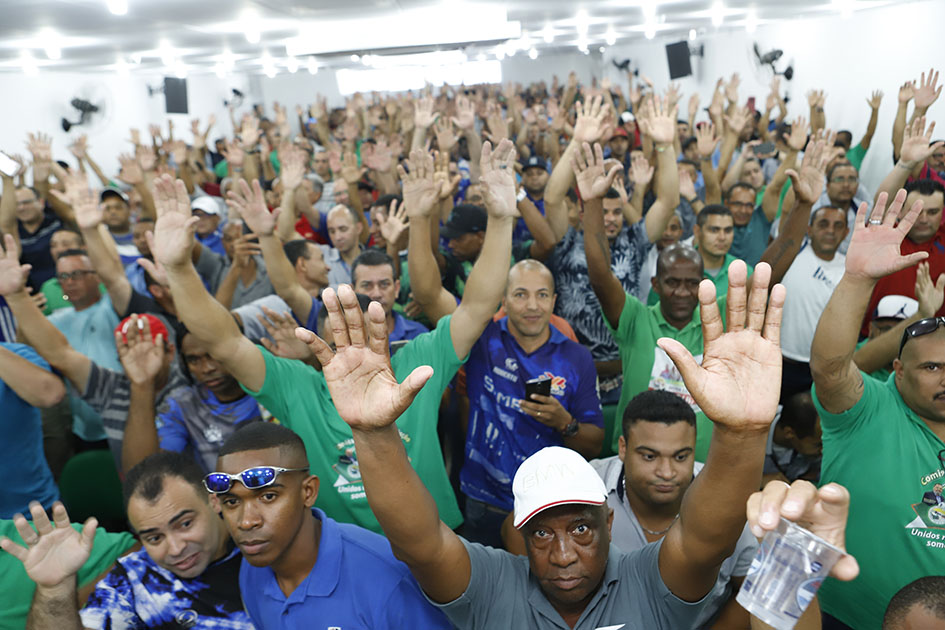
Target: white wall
pixel 38 103
pixel 849 58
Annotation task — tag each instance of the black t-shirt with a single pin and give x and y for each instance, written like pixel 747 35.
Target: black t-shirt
pixel 36 249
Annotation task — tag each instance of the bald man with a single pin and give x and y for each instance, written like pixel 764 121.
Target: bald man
pixel 344 230
pixel 505 424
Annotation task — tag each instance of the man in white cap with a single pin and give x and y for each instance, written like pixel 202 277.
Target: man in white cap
pixel 573 577
pixel 208 212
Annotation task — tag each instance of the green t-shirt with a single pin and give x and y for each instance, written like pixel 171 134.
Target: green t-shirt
pixel 297 395
pixel 887 457
pixel 856 155
pixel 721 278
pixel 646 366
pixel 16 588
pixel 55 298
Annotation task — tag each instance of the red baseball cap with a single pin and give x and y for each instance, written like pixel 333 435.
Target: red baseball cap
pixel 156 325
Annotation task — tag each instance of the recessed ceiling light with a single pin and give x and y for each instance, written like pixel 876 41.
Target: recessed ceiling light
pixel 311 66
pixel 356 58
pixel 718 13
pixel 117 7
pixel 650 30
pixel 533 53
pixel 610 37
pixel 548 34
pixel 692 34
pixel 751 20
pixel 292 65
pixel 28 64
pixel 219 70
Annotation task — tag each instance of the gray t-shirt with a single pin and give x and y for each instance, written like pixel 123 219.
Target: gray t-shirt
pixel 249 315
pixel 213 268
pixel 632 596
pixel 627 535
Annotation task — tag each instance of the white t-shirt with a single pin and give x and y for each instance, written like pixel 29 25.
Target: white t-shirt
pixel 809 282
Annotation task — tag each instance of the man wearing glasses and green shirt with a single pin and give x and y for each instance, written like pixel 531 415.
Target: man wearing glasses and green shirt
pixel 882 440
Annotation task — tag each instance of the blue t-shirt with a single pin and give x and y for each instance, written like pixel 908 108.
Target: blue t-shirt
pixel 22 462
pixel 312 322
pixel 405 329
pixel 750 241
pixel 191 419
pixel 125 244
pixel 356 583
pixel 137 593
pixel 213 241
pixel 7 322
pixel 500 435
pixel 521 232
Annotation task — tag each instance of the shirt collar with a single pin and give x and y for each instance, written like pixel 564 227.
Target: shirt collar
pixel 665 325
pixel 557 337
pixel 324 576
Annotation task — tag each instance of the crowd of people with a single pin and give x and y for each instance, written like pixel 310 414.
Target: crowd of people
pixel 540 356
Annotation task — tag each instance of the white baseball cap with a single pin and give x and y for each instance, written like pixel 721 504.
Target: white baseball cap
pixel 896 307
pixel 554 476
pixel 206 203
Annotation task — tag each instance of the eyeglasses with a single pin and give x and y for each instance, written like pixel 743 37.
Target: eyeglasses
pixel 921 327
pixel 73 275
pixel 845 180
pixel 251 478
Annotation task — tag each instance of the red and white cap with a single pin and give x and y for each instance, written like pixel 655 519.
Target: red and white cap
pixel 554 476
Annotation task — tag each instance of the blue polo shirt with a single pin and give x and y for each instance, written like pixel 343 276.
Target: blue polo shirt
pixel 405 329
pixel 355 583
pixel 213 241
pixel 312 322
pixel 500 435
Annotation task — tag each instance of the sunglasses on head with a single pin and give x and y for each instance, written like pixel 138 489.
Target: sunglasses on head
pixel 251 478
pixel 921 327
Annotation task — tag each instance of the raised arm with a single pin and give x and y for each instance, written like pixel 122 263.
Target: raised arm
pixel 660 125
pixel 880 351
pixel 420 198
pixel 88 214
pixel 368 397
pixel 36 386
pixel 916 148
pixel 808 185
pixel 8 211
pixel 737 386
pixel 873 102
pixel 486 282
pixel 706 142
pixel 873 253
pixel 795 142
pixel 251 205
pixel 734 124
pixel 203 316
pixel 593 184
pixel 35 329
pixel 142 358
pixel 906 92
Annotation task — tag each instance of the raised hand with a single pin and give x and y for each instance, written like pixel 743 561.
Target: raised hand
pixel 445 136
pixel 916 147
pixel 358 373
pixel 672 95
pixel 423 115
pixel 393 224
pixel 822 512
pixel 130 172
pixel 86 206
pixel 875 99
pixel 284 343
pixel 687 187
pixel 244 248
pixel 140 355
pixel 249 133
pixel 233 154
pixel 147 158
pixel 173 238
pixel 731 88
pixel 293 168
pixel 930 295
pixel 659 123
pixel 738 383
pixel 350 171
pixel 498 126
pixel 874 246
pixel 465 117
pixel 797 139
pixel 590 121
pixel 377 157
pixel 809 184
pixel 641 173
pixel 52 555
pixel 737 121
pixel 250 203
pixel 79 147
pixel 135 136
pixel 178 150
pixel 927 93
pixel 40 146
pixel 497 168
pixel 420 191
pixel 592 181
pixel 13 275
pixel 693 106
pixel 816 98
pixel 906 91
pixel 706 140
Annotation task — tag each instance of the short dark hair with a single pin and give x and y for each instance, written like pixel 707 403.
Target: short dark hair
pixel 657 405
pixel 612 193
pixel 799 414
pixel 363 301
pixel 712 210
pixel 674 252
pixel 826 206
pixel 737 186
pixel 928 592
pixel 296 249
pixel 688 142
pixel 33 190
pixel 255 436
pixel 372 258
pixel 384 201
pixel 840 164
pixel 146 479
pixel 72 252
pixel 925 187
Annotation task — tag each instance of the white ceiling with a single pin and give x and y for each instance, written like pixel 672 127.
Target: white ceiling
pixel 196 35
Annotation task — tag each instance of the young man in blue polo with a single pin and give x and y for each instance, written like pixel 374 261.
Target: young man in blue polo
pixel 299 565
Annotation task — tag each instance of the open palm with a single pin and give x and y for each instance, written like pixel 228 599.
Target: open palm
pixel 874 249
pixel 359 376
pixel 809 183
pixel 739 381
pixel 588 167
pixel 420 191
pixel 12 274
pixel 174 230
pixel 51 555
pixel 498 178
pixel 250 204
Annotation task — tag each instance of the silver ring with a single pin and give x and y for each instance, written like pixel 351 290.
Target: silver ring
pixel 876 222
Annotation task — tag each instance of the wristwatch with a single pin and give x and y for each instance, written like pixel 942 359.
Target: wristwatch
pixel 571 429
